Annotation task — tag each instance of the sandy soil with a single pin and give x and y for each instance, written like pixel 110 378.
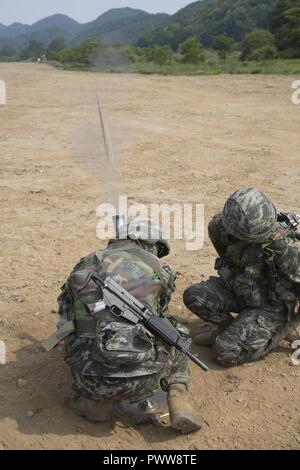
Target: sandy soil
pixel 181 139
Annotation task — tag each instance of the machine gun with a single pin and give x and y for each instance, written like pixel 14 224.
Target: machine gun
pixel 123 305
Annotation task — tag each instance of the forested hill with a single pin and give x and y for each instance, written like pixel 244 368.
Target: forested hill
pixel 123 25
pixel 207 19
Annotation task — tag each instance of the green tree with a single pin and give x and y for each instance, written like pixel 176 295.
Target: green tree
pixel 285 24
pixel 8 51
pixel 82 54
pixel 158 54
pixel 258 45
pixel 192 51
pixel 223 45
pixel 135 54
pixel 57 45
pixel 263 53
pixel 208 19
pixel 35 49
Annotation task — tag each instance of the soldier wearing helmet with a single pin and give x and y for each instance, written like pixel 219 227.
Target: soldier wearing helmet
pixel 254 299
pixel 120 369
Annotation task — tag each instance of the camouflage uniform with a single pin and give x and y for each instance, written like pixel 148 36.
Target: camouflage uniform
pixel 109 357
pixel 258 279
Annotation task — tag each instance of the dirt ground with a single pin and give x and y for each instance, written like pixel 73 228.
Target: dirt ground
pixel 177 139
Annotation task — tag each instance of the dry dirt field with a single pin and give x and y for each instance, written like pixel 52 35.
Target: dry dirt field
pixel 177 139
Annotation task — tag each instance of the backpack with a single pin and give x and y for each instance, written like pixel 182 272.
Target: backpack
pixel 115 341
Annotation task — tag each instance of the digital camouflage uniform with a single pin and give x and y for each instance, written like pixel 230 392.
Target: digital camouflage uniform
pixel 256 280
pixel 109 357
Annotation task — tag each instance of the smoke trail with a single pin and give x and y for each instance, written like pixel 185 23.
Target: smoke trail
pixel 105 132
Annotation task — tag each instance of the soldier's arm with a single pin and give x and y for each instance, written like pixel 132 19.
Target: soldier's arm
pixel 287 257
pixel 170 286
pixel 215 231
pixel 169 276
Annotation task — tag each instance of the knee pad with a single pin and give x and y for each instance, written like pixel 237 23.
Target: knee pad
pixel 195 295
pixel 199 300
pixel 226 353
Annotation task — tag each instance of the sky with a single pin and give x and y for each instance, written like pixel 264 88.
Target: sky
pixel 30 11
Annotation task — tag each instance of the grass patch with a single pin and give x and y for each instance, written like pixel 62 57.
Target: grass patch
pixel 212 66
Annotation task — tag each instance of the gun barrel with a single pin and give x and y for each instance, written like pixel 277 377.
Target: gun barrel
pixel 197 361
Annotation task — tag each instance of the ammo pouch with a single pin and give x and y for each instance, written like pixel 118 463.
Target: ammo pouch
pixel 246 286
pixel 123 344
pixel 225 272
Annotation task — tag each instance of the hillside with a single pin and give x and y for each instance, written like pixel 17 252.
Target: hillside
pixel 13 30
pixel 207 19
pixel 56 26
pixel 58 21
pixel 124 25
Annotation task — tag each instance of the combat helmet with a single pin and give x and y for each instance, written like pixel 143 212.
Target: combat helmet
pixel 249 215
pixel 147 231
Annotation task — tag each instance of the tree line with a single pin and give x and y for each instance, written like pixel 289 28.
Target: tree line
pixel 281 39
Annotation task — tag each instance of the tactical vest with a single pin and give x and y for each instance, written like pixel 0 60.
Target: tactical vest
pixel 249 270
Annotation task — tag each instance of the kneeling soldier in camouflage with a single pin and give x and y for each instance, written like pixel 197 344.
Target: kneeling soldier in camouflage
pixel 258 279
pixel 121 369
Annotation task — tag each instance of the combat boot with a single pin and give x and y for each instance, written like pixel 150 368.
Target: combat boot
pixel 208 336
pixel 293 333
pixel 153 410
pixel 182 416
pixel 91 410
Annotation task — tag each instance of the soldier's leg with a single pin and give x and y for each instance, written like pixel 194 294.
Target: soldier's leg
pixel 130 398
pixel 116 388
pixel 211 301
pixel 139 399
pixel 252 335
pixel 176 370
pixel 176 382
pixel 174 379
